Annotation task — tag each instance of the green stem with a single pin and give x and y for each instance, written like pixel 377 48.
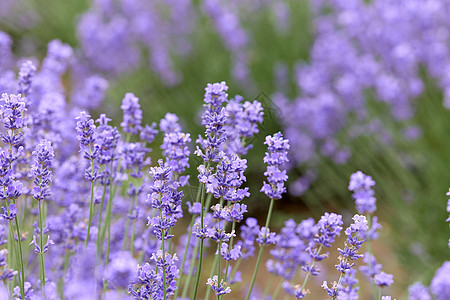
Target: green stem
pixel 191 269
pixel 91 204
pixel 191 225
pixel 100 216
pixel 19 242
pixel 186 248
pixel 277 290
pixel 219 271
pixel 42 249
pixel 164 257
pixel 200 259
pixel 127 225
pixel 255 272
pixel 269 284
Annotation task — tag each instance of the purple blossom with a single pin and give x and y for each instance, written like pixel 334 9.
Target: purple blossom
pixel 85 129
pixel 214 119
pixel 227 180
pixel 148 133
pixel 361 185
pixel 418 291
pixel 371 267
pixel 440 285
pixel 121 270
pixel 132 114
pixel 242 124
pixel 9 213
pixel 37 248
pixel 149 282
pixel 350 253
pixel 170 123
pixel 26 74
pixel 41 169
pixel 277 156
pixel 219 288
pixel 176 150
pixel 92 92
pixel 12 108
pixel 383 279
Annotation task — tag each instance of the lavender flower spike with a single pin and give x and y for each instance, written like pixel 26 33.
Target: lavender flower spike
pixel 361 185
pixel 26 73
pixel 132 114
pixel 276 157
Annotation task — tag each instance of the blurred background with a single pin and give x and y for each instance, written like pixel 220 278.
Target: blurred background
pixel 355 85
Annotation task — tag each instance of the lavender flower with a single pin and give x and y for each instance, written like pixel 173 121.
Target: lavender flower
pixel 440 285
pixel 41 170
pixel 91 94
pixel 219 288
pixel 243 119
pixel 277 156
pixel 121 270
pixel 165 198
pixel 361 185
pixel 26 74
pixel 85 129
pixel 176 150
pixel 352 244
pixel 227 180
pixel 149 283
pixel 148 133
pixel 418 292
pixel 170 123
pixel 132 114
pixel 383 279
pixel 214 119
pixel 11 110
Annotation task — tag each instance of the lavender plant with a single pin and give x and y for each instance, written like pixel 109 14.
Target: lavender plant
pixel 113 171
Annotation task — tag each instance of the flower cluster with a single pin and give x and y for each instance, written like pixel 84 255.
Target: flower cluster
pixel 41 170
pixel 214 119
pixel 275 158
pixel 361 185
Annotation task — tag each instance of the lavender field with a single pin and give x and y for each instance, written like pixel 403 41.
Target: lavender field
pixel 240 149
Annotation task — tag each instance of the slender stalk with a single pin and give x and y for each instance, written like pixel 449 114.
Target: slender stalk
pixel 91 204
pixel 102 203
pixel 200 259
pixel 191 225
pixel 164 257
pixel 219 271
pixel 183 262
pixel 134 230
pixel 268 285
pixel 255 272
pixel 194 255
pixel 127 226
pixel 42 248
pixel 191 269
pixel 277 290
pixel 19 242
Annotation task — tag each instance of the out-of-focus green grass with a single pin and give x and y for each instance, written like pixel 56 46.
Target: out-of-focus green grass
pixel 411 177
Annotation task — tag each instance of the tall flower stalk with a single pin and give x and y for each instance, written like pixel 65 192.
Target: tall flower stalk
pixel 209 149
pixel 41 172
pixel 275 157
pixel 85 129
pixel 12 110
